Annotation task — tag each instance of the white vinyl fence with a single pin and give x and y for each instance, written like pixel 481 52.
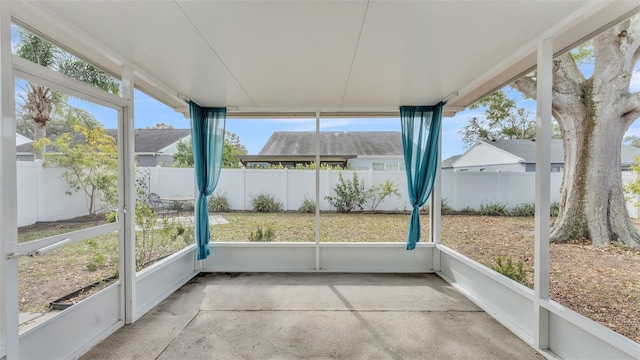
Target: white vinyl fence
pixel 42 195
pixel 42 192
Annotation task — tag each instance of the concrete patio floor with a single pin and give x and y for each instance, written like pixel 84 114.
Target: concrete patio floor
pixel 314 316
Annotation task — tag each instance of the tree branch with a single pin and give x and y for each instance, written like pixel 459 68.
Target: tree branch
pixel 526 85
pixel 631 106
pixel 633 38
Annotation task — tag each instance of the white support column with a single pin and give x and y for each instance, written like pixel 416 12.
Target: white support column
pixel 317 139
pixel 435 215
pixel 127 198
pixel 9 339
pixel 543 184
pixel 436 197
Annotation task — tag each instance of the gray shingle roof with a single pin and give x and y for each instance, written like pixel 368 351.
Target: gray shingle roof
pixel 154 140
pixel 448 162
pixel 360 143
pixel 526 149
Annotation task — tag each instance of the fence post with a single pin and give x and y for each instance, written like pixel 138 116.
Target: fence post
pixel 285 183
pixel 244 188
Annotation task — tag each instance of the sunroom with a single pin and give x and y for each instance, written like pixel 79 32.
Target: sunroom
pixel 284 60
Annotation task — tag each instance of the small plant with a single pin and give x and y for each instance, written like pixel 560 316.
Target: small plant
pixel 308 206
pixel 219 202
pixel 265 203
pixel 514 271
pixel 111 217
pixel 96 260
pixel 377 193
pixel 268 234
pixel 494 209
pixel 524 209
pixel 555 208
pixel 350 194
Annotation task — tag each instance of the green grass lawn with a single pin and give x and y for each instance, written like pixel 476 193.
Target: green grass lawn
pixel 297 227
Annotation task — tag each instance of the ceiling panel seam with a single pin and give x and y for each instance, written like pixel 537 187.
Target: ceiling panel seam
pixel 215 53
pixel 355 52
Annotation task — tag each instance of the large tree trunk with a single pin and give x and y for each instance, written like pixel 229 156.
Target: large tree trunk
pixel 593 115
pixel 592 202
pixel 40 132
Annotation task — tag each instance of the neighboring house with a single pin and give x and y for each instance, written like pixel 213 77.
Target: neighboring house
pixel 21 139
pixel 448 162
pixel 377 150
pixel 153 147
pixel 520 156
pixel 156 147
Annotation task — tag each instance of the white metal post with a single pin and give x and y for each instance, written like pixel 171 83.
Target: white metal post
pixel 127 176
pixel 317 190
pixel 543 185
pixel 436 197
pixel 436 207
pixel 9 340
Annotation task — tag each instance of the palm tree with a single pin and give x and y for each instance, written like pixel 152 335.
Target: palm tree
pixel 41 101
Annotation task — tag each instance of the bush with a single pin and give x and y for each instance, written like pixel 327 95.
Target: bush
pixel 308 206
pixel 506 267
pixel 218 203
pixel 350 194
pixel 268 234
pixel 265 203
pixel 494 209
pixel 445 208
pixel 97 259
pixel 377 193
pixel 468 211
pixel 524 209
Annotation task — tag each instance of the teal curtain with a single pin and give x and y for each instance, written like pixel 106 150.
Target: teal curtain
pixel 420 133
pixel 207 137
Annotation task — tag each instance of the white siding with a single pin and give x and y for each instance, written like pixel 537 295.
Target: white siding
pixel 393 163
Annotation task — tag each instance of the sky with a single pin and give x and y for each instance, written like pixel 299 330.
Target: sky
pixel 254 133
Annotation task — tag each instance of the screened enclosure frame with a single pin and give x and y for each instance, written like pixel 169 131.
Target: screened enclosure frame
pixel 550 328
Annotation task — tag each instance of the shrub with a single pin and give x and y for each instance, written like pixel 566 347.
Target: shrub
pixel 468 210
pixel 445 208
pixel 514 271
pixel 265 203
pixel 494 209
pixel 97 259
pixel 218 202
pixel 308 206
pixel 350 194
pixel 524 209
pixel 555 208
pixel 268 234
pixel 377 193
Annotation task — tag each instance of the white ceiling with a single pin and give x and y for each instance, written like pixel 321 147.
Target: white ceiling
pixel 335 56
